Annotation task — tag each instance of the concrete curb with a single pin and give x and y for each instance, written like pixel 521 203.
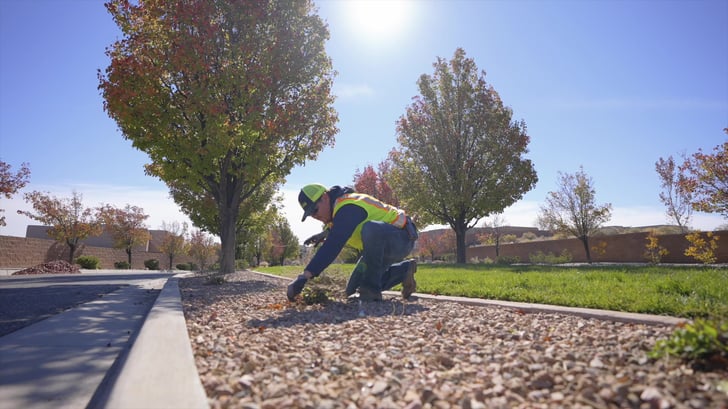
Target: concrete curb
pixel 160 370
pixel 628 317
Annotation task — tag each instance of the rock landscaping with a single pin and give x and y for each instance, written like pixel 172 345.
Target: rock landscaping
pixel 253 349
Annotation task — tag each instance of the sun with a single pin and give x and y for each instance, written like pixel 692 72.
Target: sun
pixel 376 21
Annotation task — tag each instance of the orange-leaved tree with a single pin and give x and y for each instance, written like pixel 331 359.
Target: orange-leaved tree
pixel 374 183
pixel 705 176
pixel 225 96
pixel 10 182
pixel 202 248
pixel 125 226
pixel 175 240
pixel 69 221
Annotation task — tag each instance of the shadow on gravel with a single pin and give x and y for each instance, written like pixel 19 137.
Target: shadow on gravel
pixel 337 312
pixel 287 314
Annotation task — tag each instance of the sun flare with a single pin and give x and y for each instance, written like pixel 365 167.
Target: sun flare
pixel 378 20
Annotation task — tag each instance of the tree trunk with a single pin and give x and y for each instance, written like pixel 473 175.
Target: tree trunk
pixel 128 254
pixel 585 240
pixel 72 251
pixel 228 221
pixel 460 231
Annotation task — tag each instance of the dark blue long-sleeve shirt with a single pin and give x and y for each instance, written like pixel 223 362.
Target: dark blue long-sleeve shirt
pixel 347 218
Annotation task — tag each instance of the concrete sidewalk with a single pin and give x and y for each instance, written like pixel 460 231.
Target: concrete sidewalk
pixel 125 350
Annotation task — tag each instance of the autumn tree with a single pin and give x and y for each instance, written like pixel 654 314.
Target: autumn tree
pixel 253 238
pixel 10 182
pixel 125 226
pixel 69 221
pixel 374 183
pixel 495 224
pixel 673 196
pixel 427 245
pixel 460 154
pixel 572 209
pixel 225 96
pixel 202 248
pixel 284 244
pixel 705 177
pixel 175 240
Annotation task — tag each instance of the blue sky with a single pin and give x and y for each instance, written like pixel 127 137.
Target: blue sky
pixel 610 85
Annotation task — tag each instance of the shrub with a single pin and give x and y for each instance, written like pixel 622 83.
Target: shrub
pixel 88 262
pixel 599 249
pixel 701 249
pixel 215 279
pixel 122 265
pixel 700 341
pixel 528 236
pixel 549 258
pixel 313 296
pixel 653 251
pixel 187 266
pixel 151 264
pixel 507 260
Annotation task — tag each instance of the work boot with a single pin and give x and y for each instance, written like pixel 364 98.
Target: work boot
pixel 409 285
pixel 365 294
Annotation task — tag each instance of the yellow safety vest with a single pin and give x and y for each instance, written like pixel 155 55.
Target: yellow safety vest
pixel 376 210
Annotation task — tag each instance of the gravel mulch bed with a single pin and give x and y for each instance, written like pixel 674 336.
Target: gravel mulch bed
pixel 255 350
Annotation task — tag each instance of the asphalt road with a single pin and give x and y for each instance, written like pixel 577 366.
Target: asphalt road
pixel 27 299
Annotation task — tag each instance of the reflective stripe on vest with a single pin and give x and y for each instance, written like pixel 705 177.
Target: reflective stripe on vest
pixel 376 210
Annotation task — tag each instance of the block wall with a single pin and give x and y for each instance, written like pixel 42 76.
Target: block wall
pixel 622 248
pixel 20 253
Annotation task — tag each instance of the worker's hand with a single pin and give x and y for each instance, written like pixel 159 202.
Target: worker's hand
pixel 296 287
pixel 316 239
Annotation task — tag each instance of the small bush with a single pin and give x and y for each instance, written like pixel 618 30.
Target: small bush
pixel 653 250
pixel 151 264
pixel 508 260
pixel 698 342
pixel 122 265
pixel 241 264
pixel 702 249
pixel 88 262
pixel 215 279
pixel 540 257
pixel 187 266
pixel 313 296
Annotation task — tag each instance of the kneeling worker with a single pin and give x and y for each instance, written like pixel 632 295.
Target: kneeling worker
pixel 383 234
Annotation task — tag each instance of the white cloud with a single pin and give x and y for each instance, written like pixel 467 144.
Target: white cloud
pixel 350 91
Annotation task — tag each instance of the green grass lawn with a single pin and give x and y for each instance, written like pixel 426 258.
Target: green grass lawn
pixel 680 291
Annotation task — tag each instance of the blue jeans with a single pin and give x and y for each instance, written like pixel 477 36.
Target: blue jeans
pixel 380 266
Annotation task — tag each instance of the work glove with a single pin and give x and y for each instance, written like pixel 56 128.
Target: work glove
pixel 316 239
pixel 296 287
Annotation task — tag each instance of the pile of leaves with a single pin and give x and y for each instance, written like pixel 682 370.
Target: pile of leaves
pixel 51 267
